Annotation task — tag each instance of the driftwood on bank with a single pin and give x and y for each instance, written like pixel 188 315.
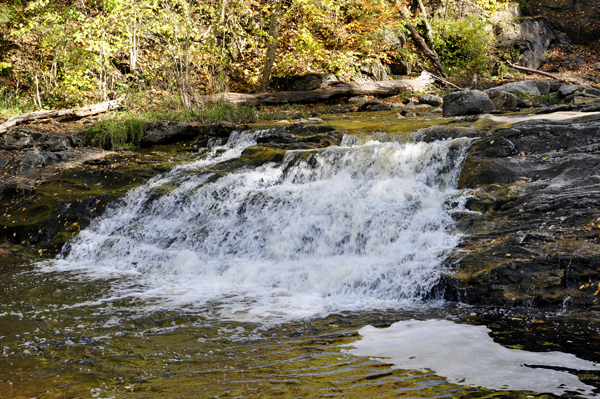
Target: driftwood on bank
pixel 69 113
pixel 337 90
pixel 520 68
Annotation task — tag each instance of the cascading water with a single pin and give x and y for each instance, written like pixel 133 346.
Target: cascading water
pixel 346 228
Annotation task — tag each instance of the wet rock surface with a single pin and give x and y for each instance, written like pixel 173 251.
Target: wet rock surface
pixel 161 133
pixel 533 230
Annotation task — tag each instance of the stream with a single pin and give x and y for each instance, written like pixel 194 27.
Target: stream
pixel 312 277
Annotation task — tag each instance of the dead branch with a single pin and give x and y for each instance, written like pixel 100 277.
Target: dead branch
pixel 429 53
pixel 520 68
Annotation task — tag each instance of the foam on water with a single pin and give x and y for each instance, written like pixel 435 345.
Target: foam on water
pixel 466 355
pixel 347 228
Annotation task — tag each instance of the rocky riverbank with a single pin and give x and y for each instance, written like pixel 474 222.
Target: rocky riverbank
pixel 532 238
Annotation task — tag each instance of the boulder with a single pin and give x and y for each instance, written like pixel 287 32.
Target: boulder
pixel 505 100
pixel 567 90
pixel 357 100
pixel 430 99
pixel 468 102
pixel 526 87
pixel 57 143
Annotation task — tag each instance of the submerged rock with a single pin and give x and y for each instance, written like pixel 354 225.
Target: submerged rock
pixel 468 102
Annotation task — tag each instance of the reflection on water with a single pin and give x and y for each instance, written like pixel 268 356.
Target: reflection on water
pixel 466 354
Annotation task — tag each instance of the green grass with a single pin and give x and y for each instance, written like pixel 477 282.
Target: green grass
pixel 12 104
pixel 116 133
pixel 122 130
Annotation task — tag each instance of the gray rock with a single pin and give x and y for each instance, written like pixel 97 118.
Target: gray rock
pixel 374 105
pixel 579 61
pixel 19 139
pixel 526 87
pixel 375 70
pixel 530 36
pixel 57 143
pixel 566 90
pixel 430 99
pixel 31 159
pixel 167 133
pixel 543 86
pixel 596 66
pixel 468 102
pixel 504 100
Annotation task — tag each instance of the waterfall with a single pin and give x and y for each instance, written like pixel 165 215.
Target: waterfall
pixel 346 228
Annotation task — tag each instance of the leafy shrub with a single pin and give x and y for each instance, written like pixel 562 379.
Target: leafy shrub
pixel 463 45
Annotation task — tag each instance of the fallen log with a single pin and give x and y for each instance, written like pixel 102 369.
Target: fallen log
pixel 520 68
pixel 72 113
pixel 340 89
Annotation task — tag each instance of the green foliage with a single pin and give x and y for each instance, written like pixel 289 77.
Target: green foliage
pixel 463 45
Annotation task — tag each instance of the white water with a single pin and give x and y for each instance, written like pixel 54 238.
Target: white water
pixel 466 355
pixel 348 228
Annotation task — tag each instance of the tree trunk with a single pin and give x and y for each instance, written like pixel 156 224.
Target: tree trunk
pixel 433 57
pixel 272 46
pixel 427 26
pixel 337 90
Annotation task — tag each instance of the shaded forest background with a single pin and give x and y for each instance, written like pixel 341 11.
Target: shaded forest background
pixel 165 53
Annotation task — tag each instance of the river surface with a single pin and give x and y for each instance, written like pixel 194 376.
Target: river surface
pixel 311 277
